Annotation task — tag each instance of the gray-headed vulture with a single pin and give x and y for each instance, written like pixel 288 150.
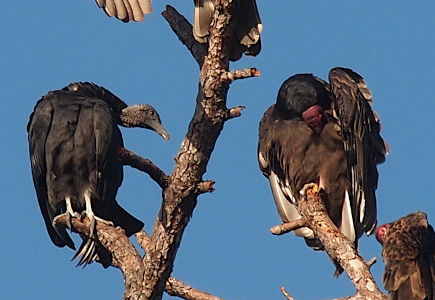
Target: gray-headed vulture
pixel 74 141
pixel 325 134
pixel 247 29
pixel 408 252
pixel 126 10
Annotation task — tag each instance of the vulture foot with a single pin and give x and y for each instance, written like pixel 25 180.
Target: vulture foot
pixel 68 214
pixel 309 186
pixel 68 219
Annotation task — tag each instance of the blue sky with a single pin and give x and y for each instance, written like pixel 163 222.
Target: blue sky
pixel 227 249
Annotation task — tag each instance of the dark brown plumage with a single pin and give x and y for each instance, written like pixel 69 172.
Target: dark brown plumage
pixel 408 252
pixel 326 134
pixel 247 29
pixel 73 144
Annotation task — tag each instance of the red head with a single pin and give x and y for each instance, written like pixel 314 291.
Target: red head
pixel 381 233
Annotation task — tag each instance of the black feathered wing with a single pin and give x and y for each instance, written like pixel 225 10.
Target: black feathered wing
pixel 363 145
pixel 408 252
pixel 38 129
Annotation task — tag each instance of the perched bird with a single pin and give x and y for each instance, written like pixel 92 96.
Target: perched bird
pixel 73 143
pixel 409 253
pixel 325 134
pixel 126 10
pixel 247 29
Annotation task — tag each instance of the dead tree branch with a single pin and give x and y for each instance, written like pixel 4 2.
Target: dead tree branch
pixel 338 247
pixel 183 29
pixel 126 258
pixel 129 158
pixel 180 196
pixel 288 227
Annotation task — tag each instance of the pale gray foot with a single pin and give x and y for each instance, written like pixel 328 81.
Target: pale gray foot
pixel 68 214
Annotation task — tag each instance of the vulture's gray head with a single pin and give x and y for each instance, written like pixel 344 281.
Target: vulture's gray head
pixel 144 116
pixel 139 115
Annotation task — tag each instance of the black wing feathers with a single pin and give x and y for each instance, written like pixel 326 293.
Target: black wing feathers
pixel 364 147
pixel 38 129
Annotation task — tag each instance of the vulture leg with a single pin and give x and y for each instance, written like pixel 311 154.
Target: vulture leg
pixel 90 214
pixel 69 212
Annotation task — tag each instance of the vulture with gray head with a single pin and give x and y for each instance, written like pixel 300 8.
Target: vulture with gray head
pixel 73 142
pixel 247 28
pixel 126 10
pixel 409 253
pixel 325 134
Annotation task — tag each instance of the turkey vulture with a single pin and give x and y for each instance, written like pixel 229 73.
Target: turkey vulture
pixel 73 144
pixel 126 10
pixel 326 134
pixel 247 29
pixel 408 252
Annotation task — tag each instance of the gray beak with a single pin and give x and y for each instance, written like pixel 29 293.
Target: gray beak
pixel 158 127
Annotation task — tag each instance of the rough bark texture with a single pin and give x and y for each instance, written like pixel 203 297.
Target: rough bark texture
pixel 126 258
pixel 337 246
pixel 179 198
pixel 147 277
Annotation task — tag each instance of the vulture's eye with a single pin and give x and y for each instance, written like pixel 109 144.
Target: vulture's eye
pixel 151 113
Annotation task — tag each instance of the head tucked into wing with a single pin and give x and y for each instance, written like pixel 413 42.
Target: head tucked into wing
pixel 326 134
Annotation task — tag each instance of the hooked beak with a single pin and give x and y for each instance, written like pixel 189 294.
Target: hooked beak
pixel 160 130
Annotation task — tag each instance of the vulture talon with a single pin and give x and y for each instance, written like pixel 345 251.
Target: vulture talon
pixel 309 186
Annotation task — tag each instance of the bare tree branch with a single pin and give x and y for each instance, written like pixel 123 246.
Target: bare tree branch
pixel 126 258
pixel 129 158
pixel 286 294
pixel 180 289
pixel 124 255
pixel 240 74
pixel 288 227
pixel 338 246
pixel 180 197
pixel 234 112
pixel 183 29
pixel 143 239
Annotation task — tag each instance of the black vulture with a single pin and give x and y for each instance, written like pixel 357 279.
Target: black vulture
pixel 247 29
pixel 74 142
pixel 409 253
pixel 126 10
pixel 325 134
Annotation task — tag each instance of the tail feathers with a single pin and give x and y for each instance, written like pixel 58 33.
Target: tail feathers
pixel 91 251
pixel 58 235
pixel 347 226
pixel 247 29
pixel 126 10
pixel 286 210
pixel 202 18
pixel 120 217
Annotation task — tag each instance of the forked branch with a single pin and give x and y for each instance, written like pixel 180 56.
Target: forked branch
pixel 126 258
